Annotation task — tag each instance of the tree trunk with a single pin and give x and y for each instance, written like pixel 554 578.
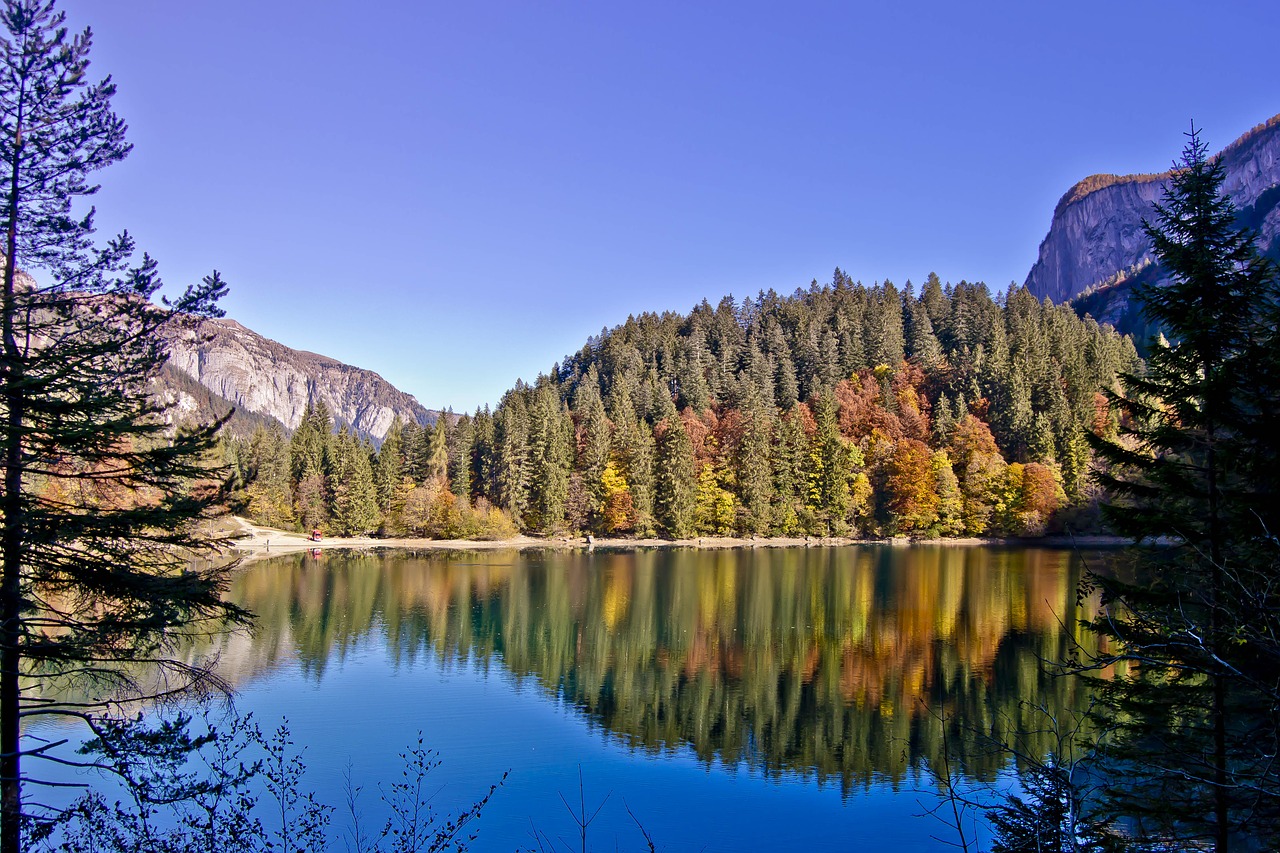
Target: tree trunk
pixel 11 537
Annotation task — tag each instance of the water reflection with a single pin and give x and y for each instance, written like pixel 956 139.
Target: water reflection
pixel 843 663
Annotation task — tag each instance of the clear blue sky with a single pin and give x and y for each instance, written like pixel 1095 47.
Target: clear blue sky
pixel 456 194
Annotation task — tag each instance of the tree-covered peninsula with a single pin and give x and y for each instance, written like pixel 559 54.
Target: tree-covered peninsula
pixel 839 410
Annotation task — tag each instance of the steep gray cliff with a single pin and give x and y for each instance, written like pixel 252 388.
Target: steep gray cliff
pixel 264 377
pixel 1096 233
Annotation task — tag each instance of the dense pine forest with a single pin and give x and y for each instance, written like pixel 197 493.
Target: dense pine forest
pixel 839 410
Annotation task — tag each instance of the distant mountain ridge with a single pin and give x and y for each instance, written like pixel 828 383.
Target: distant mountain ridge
pixel 266 378
pixel 1096 248
pixel 218 364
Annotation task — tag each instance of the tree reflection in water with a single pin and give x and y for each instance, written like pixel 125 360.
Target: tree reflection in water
pixel 839 662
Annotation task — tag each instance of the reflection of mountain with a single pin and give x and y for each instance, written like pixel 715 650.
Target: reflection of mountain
pixel 834 661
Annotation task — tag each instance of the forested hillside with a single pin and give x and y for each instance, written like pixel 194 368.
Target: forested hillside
pixel 839 410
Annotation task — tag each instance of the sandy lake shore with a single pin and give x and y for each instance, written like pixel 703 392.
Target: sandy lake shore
pixel 257 543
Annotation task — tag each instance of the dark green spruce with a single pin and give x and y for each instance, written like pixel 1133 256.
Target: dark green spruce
pixel 1196 695
pixel 104 561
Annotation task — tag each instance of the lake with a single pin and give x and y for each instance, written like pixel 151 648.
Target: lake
pixel 731 700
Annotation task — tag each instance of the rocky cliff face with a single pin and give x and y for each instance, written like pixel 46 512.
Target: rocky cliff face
pixel 261 376
pixel 1096 235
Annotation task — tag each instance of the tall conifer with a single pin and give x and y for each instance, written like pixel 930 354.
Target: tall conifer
pixel 674 479
pixel 1202 620
pixel 99 502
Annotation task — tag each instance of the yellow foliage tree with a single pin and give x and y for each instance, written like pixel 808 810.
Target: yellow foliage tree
pixel 713 505
pixel 618 510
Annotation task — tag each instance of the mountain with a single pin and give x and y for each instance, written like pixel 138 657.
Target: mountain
pixel 215 365
pixel 264 378
pixel 187 401
pixel 1096 249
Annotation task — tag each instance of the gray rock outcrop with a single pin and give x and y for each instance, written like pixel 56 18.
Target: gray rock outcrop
pixel 1096 234
pixel 265 377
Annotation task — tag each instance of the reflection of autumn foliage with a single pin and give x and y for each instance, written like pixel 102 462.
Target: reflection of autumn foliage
pixel 816 659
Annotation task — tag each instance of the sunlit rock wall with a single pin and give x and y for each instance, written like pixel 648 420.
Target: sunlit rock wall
pixel 1096 232
pixel 266 377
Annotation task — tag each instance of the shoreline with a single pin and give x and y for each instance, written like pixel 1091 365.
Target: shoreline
pixel 259 543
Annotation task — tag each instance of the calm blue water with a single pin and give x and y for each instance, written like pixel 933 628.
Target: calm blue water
pixel 736 700
pixel 730 700
pixel 483 721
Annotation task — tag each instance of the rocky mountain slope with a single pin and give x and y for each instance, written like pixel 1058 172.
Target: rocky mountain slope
pixel 1096 246
pixel 220 364
pixel 263 377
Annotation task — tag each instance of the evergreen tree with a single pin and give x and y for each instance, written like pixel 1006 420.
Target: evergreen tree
pixel 849 322
pixel 483 456
pixel 435 459
pixel 310 446
pixel 270 489
pixel 813 363
pixel 829 470
pixel 593 447
pixel 674 480
pixel 944 420
pixel 662 403
pixel 758 379
pixel 1048 817
pixel 884 329
pixel 934 301
pixel 311 463
pixel 99 505
pixel 790 460
pixel 753 474
pixel 511 457
pixel 1198 716
pixel 411 441
pixel 787 388
pixel 550 453
pixel 461 445
pixel 312 499
pixel 922 344
pixel 691 368
pixel 387 470
pixel 355 498
pixel 633 447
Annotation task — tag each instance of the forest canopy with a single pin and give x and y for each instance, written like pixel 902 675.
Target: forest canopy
pixel 841 410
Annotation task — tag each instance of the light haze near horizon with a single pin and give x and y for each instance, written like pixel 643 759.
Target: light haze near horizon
pixel 457 195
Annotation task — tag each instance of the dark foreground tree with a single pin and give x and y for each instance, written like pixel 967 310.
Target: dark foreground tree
pixel 104 565
pixel 1196 696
